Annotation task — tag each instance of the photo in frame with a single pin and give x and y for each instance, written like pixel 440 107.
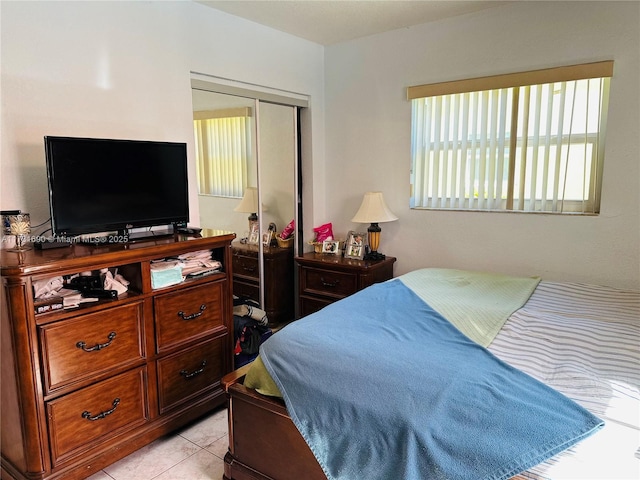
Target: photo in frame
pixel 331 246
pixel 254 234
pixel 355 246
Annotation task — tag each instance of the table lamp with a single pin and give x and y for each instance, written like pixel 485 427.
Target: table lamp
pixel 249 204
pixel 373 210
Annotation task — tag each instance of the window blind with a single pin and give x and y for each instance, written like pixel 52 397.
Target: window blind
pixel 222 152
pixel 532 147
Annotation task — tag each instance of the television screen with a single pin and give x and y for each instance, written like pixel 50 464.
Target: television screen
pixel 102 185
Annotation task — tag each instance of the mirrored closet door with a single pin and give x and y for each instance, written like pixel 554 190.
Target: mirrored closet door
pixel 247 165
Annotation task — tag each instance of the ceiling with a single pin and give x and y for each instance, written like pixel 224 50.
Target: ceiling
pixel 333 21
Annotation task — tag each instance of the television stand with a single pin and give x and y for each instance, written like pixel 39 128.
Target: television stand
pixel 154 357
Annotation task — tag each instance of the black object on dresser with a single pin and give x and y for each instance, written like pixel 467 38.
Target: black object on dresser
pixel 279 296
pixel 324 278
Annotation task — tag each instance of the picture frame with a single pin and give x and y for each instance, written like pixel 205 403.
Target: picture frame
pixel 254 234
pixel 355 246
pixel 331 247
pixel 266 238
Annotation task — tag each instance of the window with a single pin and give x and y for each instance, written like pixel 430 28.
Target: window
pixel 223 148
pixel 530 142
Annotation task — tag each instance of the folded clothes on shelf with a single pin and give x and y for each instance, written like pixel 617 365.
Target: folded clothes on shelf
pixel 165 273
pixel 199 262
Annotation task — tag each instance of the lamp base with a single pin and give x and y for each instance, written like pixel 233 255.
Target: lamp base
pixel 374 256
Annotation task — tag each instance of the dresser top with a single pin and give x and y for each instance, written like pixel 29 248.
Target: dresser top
pixel 252 250
pixel 33 261
pixel 339 262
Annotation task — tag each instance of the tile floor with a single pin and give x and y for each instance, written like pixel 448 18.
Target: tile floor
pixel 192 453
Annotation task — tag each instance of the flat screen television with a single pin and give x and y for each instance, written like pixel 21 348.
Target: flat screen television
pixel 107 185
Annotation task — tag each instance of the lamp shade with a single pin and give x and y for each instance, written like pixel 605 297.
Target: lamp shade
pixel 373 210
pixel 249 202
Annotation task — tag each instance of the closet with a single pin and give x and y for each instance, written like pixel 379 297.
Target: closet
pixel 268 172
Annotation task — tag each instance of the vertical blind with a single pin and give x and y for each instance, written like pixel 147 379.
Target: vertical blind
pixel 223 149
pixel 505 143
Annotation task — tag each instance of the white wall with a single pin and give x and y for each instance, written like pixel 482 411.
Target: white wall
pixel 368 137
pixel 122 70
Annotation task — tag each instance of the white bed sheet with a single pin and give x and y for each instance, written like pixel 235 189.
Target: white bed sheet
pixel 584 341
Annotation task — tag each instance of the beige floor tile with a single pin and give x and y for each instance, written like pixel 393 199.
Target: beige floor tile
pixel 100 476
pixel 220 447
pixel 153 459
pixel 208 430
pixel 200 466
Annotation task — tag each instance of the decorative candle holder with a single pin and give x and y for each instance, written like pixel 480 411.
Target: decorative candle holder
pixel 20 226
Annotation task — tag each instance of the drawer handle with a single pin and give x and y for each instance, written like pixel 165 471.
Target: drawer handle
pixel 251 268
pixel 329 284
pixel 101 415
pixel 193 315
pixel 99 346
pixel 188 375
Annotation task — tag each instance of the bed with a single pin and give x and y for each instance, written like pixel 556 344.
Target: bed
pixel 577 344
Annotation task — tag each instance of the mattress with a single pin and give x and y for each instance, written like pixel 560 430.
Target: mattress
pixel 584 341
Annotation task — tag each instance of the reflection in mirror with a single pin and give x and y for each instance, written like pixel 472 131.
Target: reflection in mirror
pixel 276 164
pixel 225 157
pixel 277 173
pixel 246 154
pixel 250 204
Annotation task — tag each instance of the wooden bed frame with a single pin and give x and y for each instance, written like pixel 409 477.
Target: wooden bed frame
pixel 264 443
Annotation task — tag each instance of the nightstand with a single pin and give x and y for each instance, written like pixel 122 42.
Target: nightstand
pixel 278 279
pixel 324 279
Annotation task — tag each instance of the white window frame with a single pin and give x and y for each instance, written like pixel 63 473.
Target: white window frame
pixel 461 139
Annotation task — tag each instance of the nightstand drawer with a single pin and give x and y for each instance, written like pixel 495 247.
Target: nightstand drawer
pixel 188 314
pixel 96 413
pixel 246 289
pixel 309 305
pixel 329 283
pixel 324 279
pixel 189 373
pixel 246 266
pixel 93 344
pixel 276 278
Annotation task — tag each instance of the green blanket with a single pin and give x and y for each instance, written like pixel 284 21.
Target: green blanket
pixel 259 379
pixel 477 303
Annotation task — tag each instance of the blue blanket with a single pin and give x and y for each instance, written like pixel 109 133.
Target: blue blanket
pixel 426 402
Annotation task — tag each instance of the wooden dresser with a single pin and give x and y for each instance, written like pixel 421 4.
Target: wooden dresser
pixel 84 387
pixel 325 278
pixel 279 296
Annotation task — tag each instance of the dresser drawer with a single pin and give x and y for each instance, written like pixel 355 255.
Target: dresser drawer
pixel 188 314
pixel 246 266
pixel 329 283
pixel 189 373
pixel 89 345
pixel 94 414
